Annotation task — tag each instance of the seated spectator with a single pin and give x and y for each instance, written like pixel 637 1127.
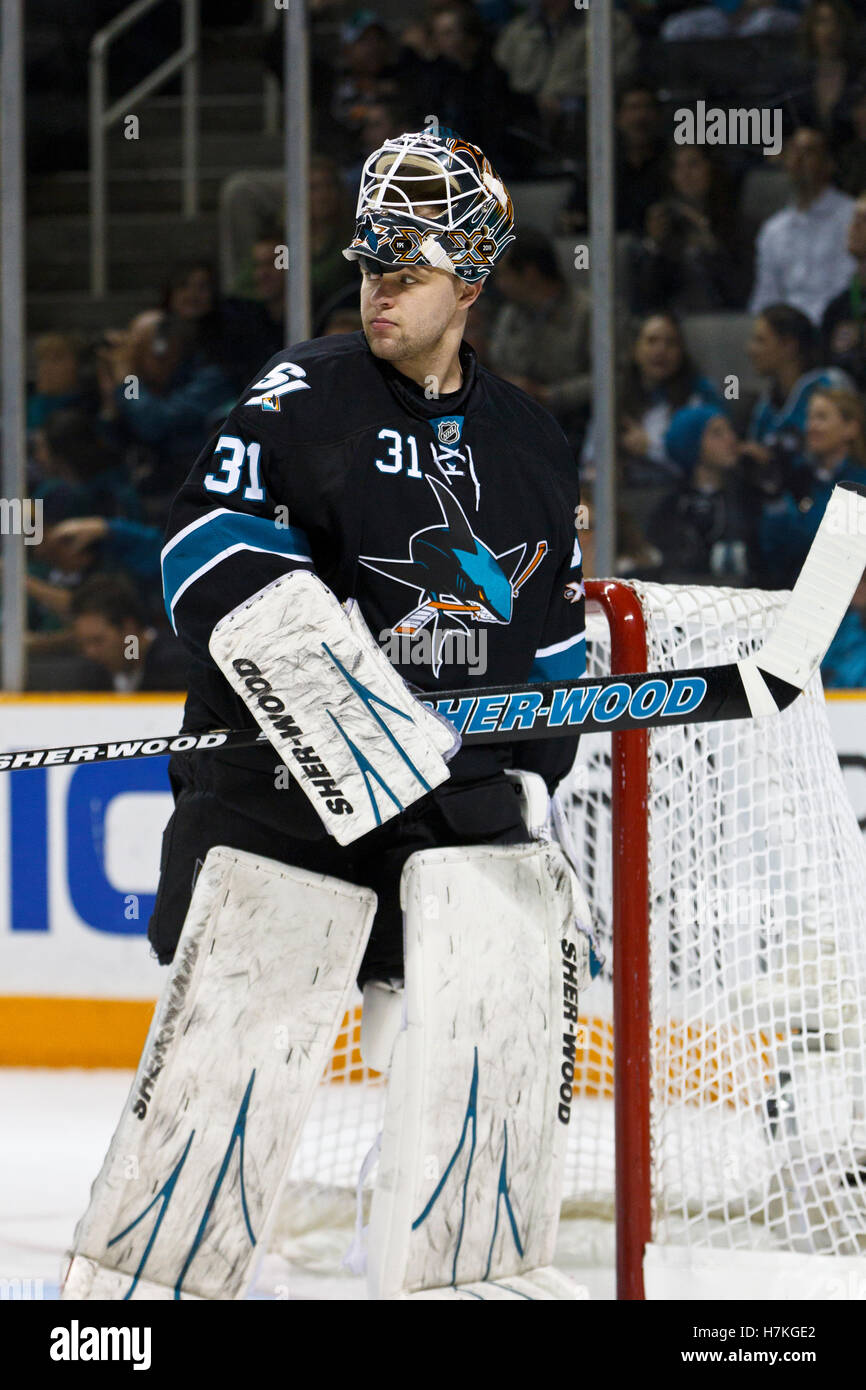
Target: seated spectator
pixel 367 60
pixel 707 531
pixel 659 379
pixel 801 256
pixel 640 172
pixel 691 255
pixel 782 349
pixel 463 85
pixel 836 452
pixel 74 550
pixel 159 389
pixel 540 335
pixel 190 291
pixel 235 334
pixel 251 206
pixel 844 666
pixel 88 543
pixel 543 53
pixel 60 376
pixel 253 327
pixel 111 629
pixel 831 46
pixel 191 294
pixel 843 328
pixel 851 159
pixel 79 472
pixel 381 121
pixel 416 37
pixel 331 223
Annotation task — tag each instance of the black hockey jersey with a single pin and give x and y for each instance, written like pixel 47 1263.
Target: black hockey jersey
pixel 450 519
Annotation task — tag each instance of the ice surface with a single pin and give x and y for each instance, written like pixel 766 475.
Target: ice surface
pixel 55 1127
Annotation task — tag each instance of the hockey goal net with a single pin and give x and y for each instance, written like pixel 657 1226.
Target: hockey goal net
pixel 722 1145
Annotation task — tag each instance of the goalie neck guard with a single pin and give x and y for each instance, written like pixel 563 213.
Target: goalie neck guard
pixel 428 200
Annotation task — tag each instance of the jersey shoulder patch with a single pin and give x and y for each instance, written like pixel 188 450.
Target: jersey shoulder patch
pixel 328 384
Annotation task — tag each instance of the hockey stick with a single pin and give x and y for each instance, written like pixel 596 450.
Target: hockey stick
pixel 758 685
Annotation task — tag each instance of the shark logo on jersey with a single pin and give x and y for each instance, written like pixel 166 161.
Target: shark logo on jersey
pixel 457 578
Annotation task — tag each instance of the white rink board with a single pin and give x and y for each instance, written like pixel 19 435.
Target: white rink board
pixel 85 844
pixel 86 840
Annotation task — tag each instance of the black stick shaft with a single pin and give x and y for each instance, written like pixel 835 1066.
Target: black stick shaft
pixel 493 714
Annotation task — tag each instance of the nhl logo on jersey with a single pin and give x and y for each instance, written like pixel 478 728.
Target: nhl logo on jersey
pixel 271 402
pixel 448 431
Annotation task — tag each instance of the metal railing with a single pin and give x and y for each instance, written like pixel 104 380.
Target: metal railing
pixel 103 117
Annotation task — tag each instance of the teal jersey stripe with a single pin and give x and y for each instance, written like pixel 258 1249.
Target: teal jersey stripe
pixel 220 534
pixel 569 665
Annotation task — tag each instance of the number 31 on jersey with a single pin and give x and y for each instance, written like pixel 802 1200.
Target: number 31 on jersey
pixel 234 454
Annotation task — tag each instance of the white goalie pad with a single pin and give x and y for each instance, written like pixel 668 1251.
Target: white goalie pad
pixel 331 703
pixel 259 986
pixel 467 1197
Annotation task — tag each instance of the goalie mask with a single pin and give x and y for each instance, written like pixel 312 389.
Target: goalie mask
pixel 428 200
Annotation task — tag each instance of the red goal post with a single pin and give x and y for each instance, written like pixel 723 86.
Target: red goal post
pixel 631 986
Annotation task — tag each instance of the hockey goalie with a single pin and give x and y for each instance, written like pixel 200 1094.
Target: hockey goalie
pixel 372 496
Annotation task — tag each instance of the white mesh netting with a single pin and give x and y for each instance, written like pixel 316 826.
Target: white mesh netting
pixel 758 966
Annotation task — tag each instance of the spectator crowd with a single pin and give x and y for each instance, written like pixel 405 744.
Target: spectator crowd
pixel 741 308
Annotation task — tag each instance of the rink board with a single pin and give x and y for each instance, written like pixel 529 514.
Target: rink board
pixel 82 844
pixel 77 981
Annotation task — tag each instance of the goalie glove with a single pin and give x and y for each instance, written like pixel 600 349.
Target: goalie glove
pixel 340 717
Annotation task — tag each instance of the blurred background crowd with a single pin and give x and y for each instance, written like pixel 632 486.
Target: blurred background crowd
pixel 741 284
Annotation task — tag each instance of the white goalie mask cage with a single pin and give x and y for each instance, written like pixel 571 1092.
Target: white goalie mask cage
pixel 435 201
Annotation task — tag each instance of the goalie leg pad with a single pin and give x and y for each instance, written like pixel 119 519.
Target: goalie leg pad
pixel 479 1095
pixel 262 975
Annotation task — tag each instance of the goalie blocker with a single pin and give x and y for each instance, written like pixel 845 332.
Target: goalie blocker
pixel 340 717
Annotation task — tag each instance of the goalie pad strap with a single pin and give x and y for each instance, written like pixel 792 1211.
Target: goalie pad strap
pixel 261 979
pixel 479 1094
pixel 342 720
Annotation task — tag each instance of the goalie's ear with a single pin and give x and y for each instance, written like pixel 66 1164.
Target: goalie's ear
pixel 467 293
